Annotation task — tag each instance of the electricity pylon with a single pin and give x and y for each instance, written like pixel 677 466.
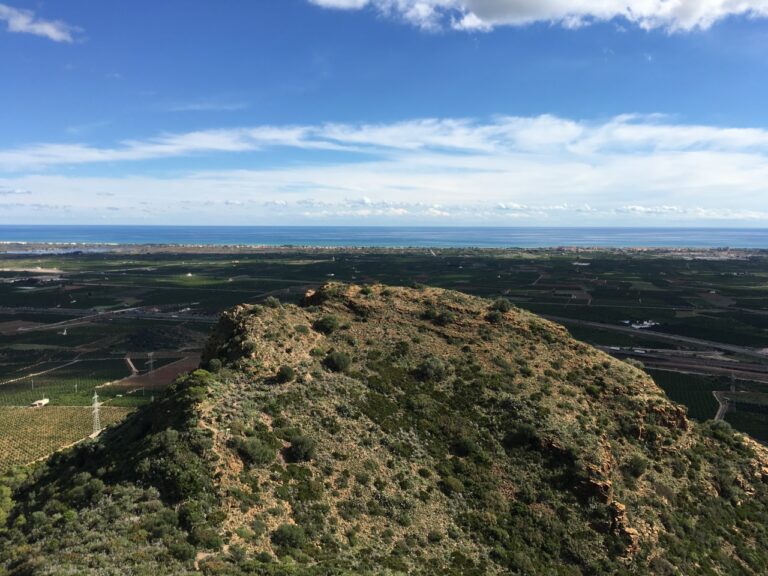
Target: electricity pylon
pixel 96 418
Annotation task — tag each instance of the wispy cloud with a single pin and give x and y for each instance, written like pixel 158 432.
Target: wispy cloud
pixel 163 146
pixel 26 22
pixel 465 141
pixel 14 192
pixel 34 206
pixel 483 15
pixel 543 169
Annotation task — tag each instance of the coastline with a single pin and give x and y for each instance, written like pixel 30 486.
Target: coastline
pixel 9 248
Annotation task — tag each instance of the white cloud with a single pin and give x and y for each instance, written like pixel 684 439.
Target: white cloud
pixel 14 192
pixel 25 22
pixel 673 15
pixel 470 142
pixel 163 146
pixel 340 4
pixel 544 170
pixel 504 134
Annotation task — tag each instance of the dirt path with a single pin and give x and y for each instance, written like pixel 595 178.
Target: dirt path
pixel 723 405
pixel 132 368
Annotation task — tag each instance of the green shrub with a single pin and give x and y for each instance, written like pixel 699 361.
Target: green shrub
pixel 6 503
pixel 501 305
pixel 430 313
pixel 494 317
pixel 451 485
pixel 401 348
pixel 253 451
pixel 464 446
pixel 214 365
pixel 302 449
pixel 337 361
pixel 205 537
pixel 635 362
pixel 439 317
pixel 445 317
pixel 326 325
pixel 637 465
pixel 259 527
pixel 432 369
pixel 521 434
pixel 285 374
pixel 434 536
pixel 289 537
pixel 272 302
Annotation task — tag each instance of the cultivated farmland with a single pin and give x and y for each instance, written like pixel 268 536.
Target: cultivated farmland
pixel 28 434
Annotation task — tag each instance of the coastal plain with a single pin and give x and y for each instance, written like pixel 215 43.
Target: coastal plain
pixel 124 321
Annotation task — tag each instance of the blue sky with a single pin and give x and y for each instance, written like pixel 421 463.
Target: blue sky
pixel 437 112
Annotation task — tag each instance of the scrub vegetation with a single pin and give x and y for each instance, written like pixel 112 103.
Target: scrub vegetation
pixel 450 435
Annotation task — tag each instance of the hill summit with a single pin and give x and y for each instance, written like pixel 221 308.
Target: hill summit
pixel 383 430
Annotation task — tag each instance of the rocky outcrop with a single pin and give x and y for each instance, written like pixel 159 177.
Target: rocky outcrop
pixel 620 527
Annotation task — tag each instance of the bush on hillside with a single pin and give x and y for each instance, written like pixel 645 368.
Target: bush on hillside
pixel 494 317
pixel 326 325
pixel 431 369
pixel 289 537
pixel 285 374
pixel 253 451
pixel 302 449
pixel 337 361
pixel 501 305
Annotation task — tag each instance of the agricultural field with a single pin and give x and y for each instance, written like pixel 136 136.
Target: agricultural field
pixel 71 384
pixel 753 423
pixel 84 313
pixel 28 434
pixel 691 390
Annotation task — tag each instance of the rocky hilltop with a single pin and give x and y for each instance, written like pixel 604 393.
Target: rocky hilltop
pixel 381 430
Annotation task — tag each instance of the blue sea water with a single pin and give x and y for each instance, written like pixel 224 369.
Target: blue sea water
pixel 434 237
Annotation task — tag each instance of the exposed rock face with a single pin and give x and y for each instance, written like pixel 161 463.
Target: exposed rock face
pixel 620 527
pixel 671 415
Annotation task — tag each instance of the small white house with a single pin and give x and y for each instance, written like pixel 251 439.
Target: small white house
pixel 41 403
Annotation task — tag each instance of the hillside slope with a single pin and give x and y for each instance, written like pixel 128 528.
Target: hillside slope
pixel 391 430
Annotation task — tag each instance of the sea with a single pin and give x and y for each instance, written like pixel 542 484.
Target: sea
pixel 383 236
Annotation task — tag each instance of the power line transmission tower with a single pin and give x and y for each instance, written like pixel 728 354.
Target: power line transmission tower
pixel 96 418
